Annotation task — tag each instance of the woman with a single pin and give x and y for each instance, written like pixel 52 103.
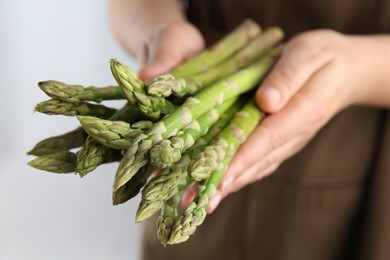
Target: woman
pixel 313 179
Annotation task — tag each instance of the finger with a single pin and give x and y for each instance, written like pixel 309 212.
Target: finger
pixel 188 195
pixel 263 168
pixel 156 171
pixel 306 113
pixel 220 195
pixel 170 47
pixel 233 183
pixel 299 61
pixel 160 61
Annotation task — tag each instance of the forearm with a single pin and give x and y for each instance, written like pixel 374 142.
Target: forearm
pixel 131 20
pixel 375 61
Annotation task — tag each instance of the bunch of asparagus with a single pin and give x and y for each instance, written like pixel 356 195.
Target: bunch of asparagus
pixel 174 131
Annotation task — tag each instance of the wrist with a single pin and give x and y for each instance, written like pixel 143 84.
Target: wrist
pixel 373 58
pixel 132 21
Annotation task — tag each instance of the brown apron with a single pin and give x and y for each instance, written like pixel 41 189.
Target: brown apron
pixel 331 200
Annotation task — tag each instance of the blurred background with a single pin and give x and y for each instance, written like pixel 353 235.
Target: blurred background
pixel 44 215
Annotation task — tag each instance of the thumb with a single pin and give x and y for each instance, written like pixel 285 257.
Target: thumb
pixel 169 47
pixel 163 61
pixel 298 62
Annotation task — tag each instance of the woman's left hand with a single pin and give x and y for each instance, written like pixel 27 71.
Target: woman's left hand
pixel 319 73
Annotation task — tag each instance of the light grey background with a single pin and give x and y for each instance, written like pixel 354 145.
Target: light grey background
pixel 43 215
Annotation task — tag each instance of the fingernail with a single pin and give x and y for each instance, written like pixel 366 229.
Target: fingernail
pixel 214 203
pixel 271 94
pixel 187 197
pixel 226 183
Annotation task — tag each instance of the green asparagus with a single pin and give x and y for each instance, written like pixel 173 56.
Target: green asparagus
pixel 172 180
pixel 256 48
pixel 169 151
pixel 59 162
pixel 113 134
pixel 240 127
pixel 220 51
pixel 58 107
pixel 137 155
pixel 134 90
pixel 167 219
pixel 76 93
pixel 90 156
pixel 64 142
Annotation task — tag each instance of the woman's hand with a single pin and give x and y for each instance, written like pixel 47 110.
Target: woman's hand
pixel 319 73
pixel 167 46
pixel 156 33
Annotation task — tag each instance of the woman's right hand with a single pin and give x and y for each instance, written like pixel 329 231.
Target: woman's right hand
pixel 167 46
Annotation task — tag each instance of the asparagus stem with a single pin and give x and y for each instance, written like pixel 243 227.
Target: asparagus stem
pixel 133 187
pixel 255 49
pixel 167 219
pixel 57 107
pixel 127 80
pixel 113 134
pixel 76 93
pixel 166 84
pixel 160 188
pixel 128 113
pixel 172 180
pixel 204 163
pixel 59 162
pixel 240 127
pixel 92 153
pixel 134 90
pixel 90 156
pixel 169 151
pixel 220 51
pixel 64 142
pixel 137 155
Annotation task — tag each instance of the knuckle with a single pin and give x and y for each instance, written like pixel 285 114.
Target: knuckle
pixel 319 115
pixel 315 112
pixel 283 78
pixel 317 44
pixel 275 140
pixel 269 169
pixel 269 161
pixel 272 168
pixel 312 38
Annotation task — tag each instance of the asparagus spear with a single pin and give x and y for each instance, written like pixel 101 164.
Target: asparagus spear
pixel 77 137
pixel 172 180
pixel 127 80
pixel 137 155
pixel 127 113
pixel 90 156
pixel 167 219
pixel 76 93
pixel 64 142
pixel 166 84
pixel 169 151
pixel 256 48
pixel 59 162
pixel 133 187
pixel 217 53
pixel 92 153
pixel 204 163
pixel 240 127
pixel 113 134
pixel 57 107
pixel 66 161
pixel 134 90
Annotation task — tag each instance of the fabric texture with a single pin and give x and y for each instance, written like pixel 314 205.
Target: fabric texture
pixel 329 201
